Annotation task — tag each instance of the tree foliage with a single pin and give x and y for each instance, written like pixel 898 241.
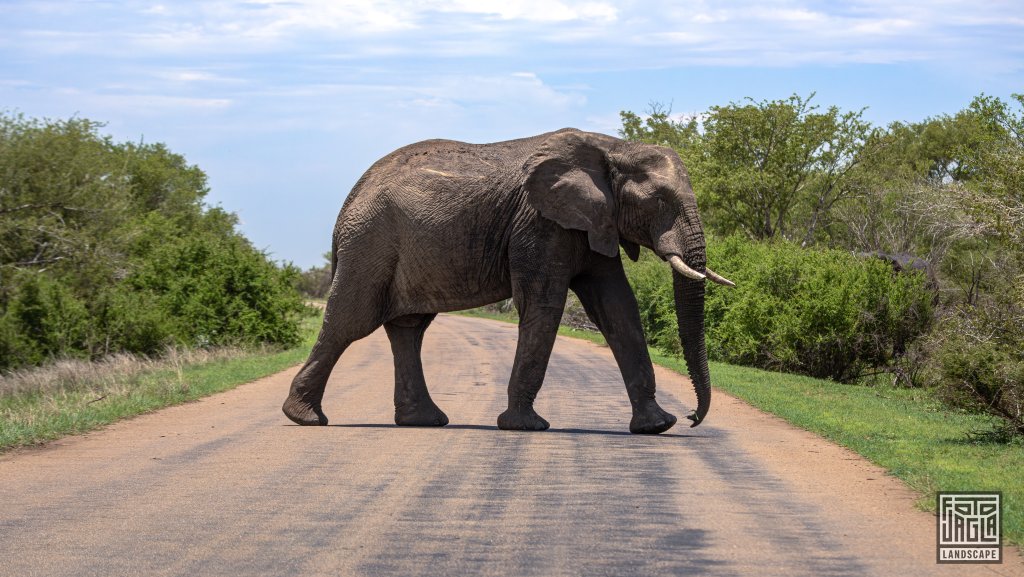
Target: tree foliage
pixel 769 169
pixel 949 189
pixel 820 312
pixel 659 127
pixel 315 282
pixel 109 247
pixel 979 346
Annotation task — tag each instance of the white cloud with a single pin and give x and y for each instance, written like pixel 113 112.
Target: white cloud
pixel 15 83
pixel 184 75
pixel 521 89
pixel 531 10
pixel 271 18
pixel 794 15
pixel 521 92
pixel 611 34
pixel 605 123
pixel 884 26
pixel 141 104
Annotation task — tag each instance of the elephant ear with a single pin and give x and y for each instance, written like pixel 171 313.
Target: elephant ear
pixel 632 249
pixel 566 181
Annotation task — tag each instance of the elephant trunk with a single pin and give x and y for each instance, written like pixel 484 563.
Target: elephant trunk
pixel 689 298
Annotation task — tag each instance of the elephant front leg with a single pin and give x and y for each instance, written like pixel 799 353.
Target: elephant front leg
pixel 538 327
pixel 413 405
pixel 610 304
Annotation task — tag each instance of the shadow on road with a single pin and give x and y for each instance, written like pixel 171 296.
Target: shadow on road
pixel 495 428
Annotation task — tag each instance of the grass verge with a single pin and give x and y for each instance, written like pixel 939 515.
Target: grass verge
pixel 905 431
pixel 113 391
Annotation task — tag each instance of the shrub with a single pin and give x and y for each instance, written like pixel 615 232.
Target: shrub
pixel 824 313
pixel 315 282
pixel 221 291
pixel 130 320
pixel 108 248
pixel 977 359
pixel 43 318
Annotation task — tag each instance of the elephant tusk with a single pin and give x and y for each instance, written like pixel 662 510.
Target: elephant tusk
pixel 715 277
pixel 680 267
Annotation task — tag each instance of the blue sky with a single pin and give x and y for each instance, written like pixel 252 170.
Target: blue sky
pixel 285 104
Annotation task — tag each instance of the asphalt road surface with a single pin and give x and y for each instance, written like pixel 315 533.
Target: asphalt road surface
pixel 228 486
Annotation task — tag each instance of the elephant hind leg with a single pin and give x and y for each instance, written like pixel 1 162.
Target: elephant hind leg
pixel 350 315
pixel 413 405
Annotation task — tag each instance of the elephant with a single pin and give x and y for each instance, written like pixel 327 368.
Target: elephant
pixel 441 226
pixel 902 262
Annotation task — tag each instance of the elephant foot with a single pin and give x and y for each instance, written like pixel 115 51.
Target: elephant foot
pixel 651 420
pixel 304 413
pixel 420 416
pixel 522 420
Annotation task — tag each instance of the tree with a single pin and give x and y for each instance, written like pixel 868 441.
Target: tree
pixel 109 247
pixel 61 191
pixel 948 188
pixel 777 168
pixel 658 127
pixel 952 188
pixel 315 282
pixel 766 169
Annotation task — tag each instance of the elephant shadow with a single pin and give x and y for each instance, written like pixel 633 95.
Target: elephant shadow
pixel 568 431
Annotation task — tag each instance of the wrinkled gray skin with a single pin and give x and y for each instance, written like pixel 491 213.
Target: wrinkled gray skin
pixel 442 226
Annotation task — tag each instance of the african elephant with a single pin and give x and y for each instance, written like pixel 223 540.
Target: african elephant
pixel 443 226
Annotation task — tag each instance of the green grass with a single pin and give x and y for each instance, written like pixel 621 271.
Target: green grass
pixel 51 412
pixel 906 431
pixel 482 313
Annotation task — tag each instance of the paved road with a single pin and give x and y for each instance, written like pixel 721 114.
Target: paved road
pixel 227 486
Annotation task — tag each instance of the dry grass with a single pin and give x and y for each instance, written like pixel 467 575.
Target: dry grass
pixel 108 373
pixel 74 396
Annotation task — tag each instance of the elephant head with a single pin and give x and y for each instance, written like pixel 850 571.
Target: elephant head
pixel 631 194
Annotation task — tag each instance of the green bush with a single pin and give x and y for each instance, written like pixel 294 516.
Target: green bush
pixel 824 313
pixel 42 319
pixel 131 320
pixel 108 247
pixel 977 359
pixel 222 292
pixel 315 282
